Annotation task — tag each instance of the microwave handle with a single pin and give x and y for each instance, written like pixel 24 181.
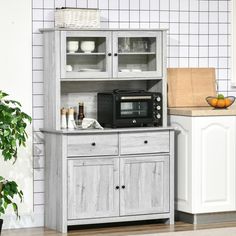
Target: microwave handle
pixel 136 97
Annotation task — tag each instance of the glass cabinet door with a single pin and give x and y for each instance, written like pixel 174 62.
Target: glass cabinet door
pixel 137 54
pixel 85 54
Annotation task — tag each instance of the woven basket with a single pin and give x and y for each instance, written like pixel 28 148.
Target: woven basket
pixel 77 18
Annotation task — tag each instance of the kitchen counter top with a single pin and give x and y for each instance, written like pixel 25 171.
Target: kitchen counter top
pixel 107 130
pixel 202 111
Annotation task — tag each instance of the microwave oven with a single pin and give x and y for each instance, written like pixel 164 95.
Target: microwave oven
pixel 128 108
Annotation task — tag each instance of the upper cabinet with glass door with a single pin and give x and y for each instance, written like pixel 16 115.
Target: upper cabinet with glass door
pixel 86 54
pixel 137 54
pixel 111 54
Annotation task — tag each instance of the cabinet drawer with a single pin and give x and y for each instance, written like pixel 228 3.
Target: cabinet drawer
pixel 92 145
pixel 146 142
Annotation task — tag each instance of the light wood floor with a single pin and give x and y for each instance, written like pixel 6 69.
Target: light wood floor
pixel 117 230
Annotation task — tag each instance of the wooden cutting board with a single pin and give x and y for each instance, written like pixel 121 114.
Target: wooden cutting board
pixel 188 87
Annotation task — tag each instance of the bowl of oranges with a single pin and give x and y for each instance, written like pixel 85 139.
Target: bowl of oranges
pixel 220 102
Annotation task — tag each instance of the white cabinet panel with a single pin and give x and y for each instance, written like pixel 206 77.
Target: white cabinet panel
pixel 205 163
pixel 183 163
pixel 214 152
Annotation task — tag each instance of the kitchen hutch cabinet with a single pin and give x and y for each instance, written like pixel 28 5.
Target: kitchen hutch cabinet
pixel 111 175
pixel 205 162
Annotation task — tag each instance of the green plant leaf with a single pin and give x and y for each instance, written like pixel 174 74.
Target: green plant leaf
pixel 9 191
pixel 13 123
pixel 2 211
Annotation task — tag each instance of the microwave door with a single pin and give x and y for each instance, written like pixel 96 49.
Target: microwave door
pixel 126 109
pixel 135 108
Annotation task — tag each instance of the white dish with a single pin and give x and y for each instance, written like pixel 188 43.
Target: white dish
pixel 136 70
pixel 125 70
pixel 90 70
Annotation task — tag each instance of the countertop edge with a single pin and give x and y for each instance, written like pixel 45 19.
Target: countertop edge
pixel 201 112
pixel 104 131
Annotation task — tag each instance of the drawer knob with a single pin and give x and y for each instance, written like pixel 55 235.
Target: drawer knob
pixel 145 141
pixel 123 186
pixel 117 187
pixel 115 54
pixel 109 54
pixel 93 144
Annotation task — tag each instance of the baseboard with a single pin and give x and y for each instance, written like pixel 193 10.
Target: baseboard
pixel 25 221
pixel 206 218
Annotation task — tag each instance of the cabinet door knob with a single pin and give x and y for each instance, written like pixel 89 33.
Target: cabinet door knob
pixel 109 54
pixel 115 54
pixel 123 186
pixel 117 187
pixel 145 141
pixel 93 144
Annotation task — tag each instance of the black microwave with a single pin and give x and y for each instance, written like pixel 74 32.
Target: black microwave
pixel 126 108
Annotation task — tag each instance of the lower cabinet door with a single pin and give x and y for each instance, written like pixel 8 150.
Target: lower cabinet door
pixel 92 188
pixel 144 185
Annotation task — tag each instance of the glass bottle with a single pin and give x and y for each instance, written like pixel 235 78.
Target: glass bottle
pixel 81 112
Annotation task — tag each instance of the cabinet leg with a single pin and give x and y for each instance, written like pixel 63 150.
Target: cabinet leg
pixel 170 221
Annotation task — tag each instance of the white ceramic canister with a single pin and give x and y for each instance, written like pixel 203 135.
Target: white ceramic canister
pixel 63 118
pixel 71 121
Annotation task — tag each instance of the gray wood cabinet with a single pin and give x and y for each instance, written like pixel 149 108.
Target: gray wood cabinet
pixel 110 175
pixel 145 185
pixel 92 191
pixel 88 188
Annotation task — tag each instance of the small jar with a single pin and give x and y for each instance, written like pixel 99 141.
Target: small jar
pixel 71 121
pixel 63 118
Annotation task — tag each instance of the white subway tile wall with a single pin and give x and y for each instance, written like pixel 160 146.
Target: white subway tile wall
pixel 198 36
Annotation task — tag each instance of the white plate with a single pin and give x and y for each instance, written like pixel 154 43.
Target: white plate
pixel 124 70
pixel 90 70
pixel 136 70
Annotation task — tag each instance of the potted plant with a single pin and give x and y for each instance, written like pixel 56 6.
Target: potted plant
pixel 13 122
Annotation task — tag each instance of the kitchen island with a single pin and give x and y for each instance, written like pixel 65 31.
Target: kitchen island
pixel 205 163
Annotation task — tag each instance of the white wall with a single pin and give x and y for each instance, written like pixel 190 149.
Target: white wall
pixel 16 79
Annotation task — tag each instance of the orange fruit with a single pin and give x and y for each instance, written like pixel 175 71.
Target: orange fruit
pixel 213 102
pixel 221 103
pixel 227 102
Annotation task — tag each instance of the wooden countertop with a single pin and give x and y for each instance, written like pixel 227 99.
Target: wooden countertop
pixel 202 111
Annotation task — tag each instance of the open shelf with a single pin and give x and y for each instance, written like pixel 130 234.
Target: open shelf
pixel 109 79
